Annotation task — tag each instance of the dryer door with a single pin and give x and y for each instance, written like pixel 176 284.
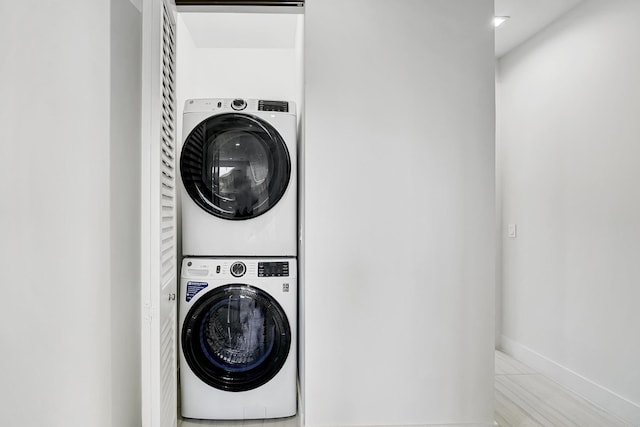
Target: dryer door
pixel 236 337
pixel 235 166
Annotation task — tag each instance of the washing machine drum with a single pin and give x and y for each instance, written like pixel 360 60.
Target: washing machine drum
pixel 236 338
pixel 235 166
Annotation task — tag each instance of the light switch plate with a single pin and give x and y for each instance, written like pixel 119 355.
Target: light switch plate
pixel 512 230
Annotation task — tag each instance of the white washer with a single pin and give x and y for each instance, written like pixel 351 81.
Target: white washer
pixel 238 357
pixel 239 178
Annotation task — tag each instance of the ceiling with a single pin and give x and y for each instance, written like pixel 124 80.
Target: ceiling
pixel 527 18
pixel 278 30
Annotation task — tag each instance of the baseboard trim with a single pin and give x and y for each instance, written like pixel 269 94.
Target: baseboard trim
pixel 595 393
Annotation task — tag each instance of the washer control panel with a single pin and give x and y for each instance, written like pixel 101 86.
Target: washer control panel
pixel 273 269
pixel 225 269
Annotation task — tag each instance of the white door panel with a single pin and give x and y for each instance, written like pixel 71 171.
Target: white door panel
pixel 159 240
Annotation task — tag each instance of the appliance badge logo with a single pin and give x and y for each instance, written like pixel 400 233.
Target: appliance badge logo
pixel 285 287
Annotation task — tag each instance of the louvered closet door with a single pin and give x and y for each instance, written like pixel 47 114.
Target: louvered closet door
pixel 159 240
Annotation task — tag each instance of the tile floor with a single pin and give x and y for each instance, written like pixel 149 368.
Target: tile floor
pixel 524 398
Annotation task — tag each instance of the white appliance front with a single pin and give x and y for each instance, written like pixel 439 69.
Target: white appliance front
pixel 238 171
pixel 238 357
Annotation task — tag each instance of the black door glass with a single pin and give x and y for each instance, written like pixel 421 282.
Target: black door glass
pixel 235 166
pixel 235 335
pixel 236 338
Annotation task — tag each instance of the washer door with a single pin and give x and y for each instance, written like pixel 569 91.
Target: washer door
pixel 235 166
pixel 236 337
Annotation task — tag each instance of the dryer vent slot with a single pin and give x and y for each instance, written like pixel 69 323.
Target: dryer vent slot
pixel 281 106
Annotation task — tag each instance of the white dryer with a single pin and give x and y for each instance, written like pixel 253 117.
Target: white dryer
pixel 238 338
pixel 239 176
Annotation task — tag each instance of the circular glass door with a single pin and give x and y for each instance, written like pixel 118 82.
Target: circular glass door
pixel 236 337
pixel 235 166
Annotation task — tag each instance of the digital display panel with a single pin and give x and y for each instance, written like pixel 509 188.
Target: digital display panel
pixel 273 269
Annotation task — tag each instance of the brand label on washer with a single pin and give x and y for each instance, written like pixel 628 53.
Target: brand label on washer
pixel 193 288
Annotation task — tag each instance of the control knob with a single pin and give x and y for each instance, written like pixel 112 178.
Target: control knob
pixel 238 269
pixel 238 104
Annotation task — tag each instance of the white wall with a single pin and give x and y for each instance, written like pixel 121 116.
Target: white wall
pixel 265 73
pixel 299 49
pixel 568 165
pixel 125 199
pixel 399 211
pixel 59 322
pixel 244 73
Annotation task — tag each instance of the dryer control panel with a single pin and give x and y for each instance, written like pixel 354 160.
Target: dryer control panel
pixel 243 105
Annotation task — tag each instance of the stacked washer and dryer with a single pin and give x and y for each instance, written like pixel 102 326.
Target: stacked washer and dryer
pixel 238 287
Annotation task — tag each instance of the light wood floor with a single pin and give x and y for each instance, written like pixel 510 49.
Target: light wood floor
pixel 524 398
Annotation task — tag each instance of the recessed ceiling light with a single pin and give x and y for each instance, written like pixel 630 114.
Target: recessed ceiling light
pixel 499 20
